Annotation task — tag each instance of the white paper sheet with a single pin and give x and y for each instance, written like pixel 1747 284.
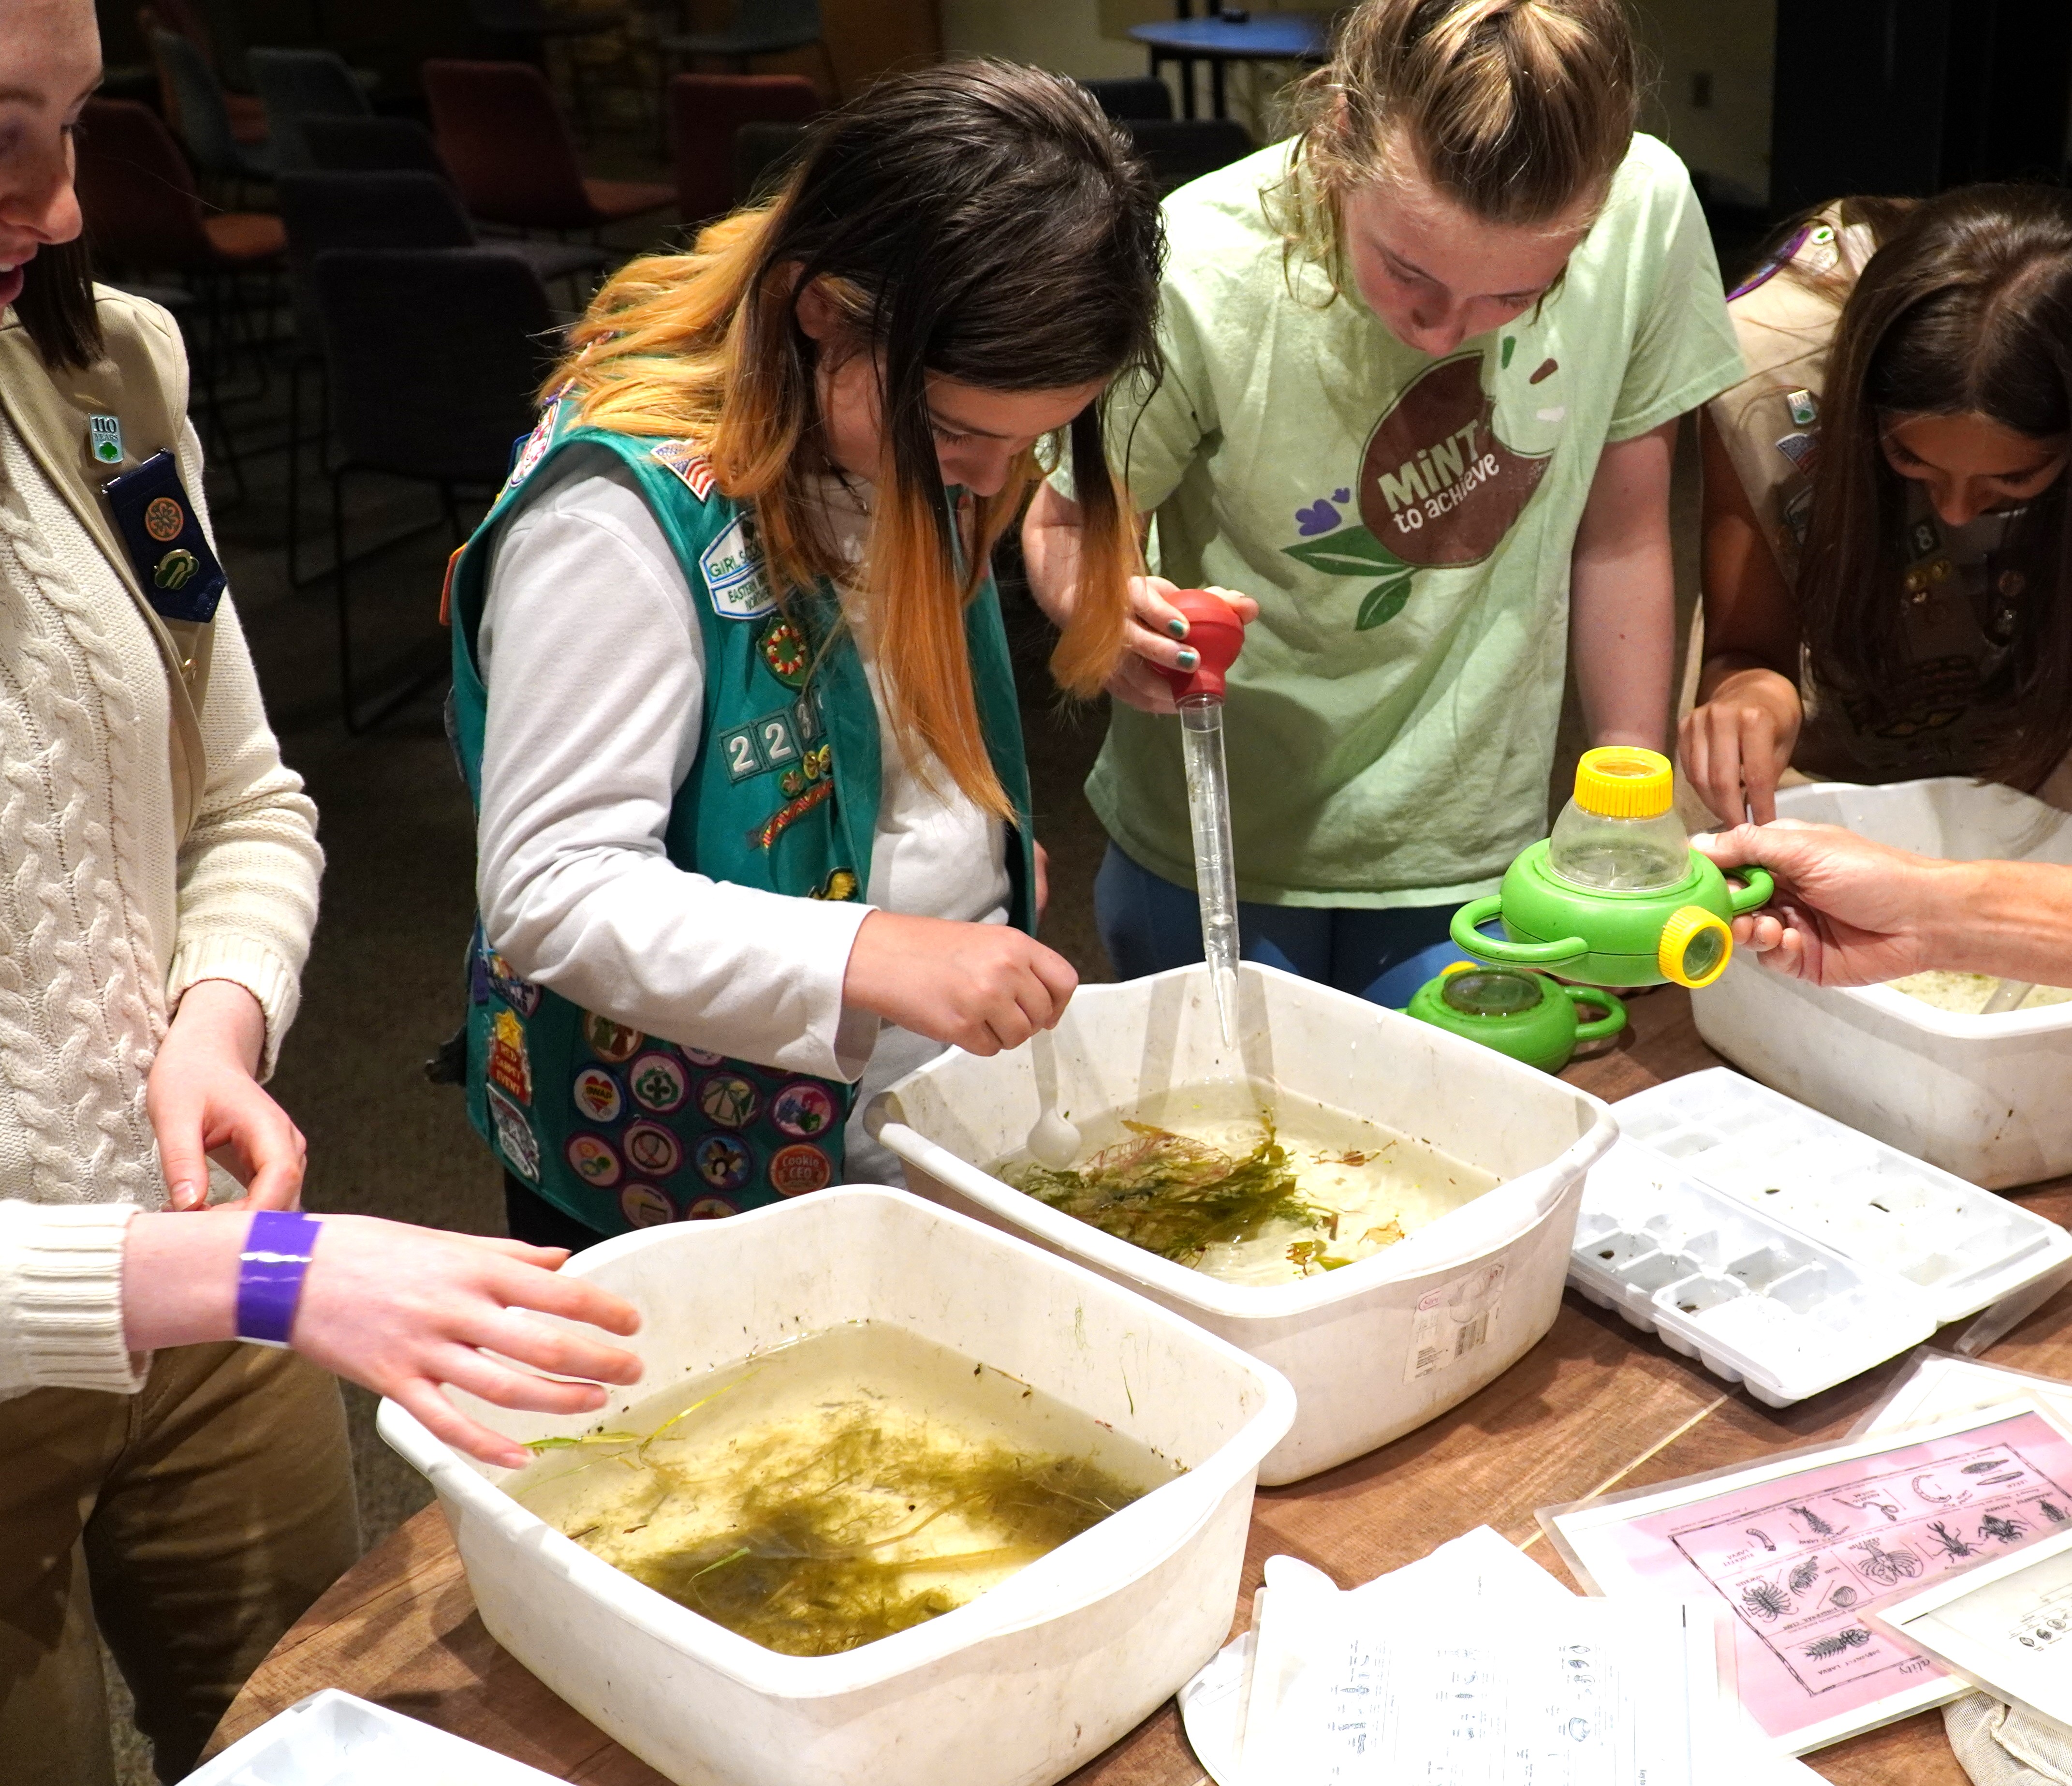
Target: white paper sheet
pixel 2006 1625
pixel 1941 1385
pixel 1470 1667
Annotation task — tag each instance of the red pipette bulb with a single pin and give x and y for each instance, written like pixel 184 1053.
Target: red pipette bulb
pixel 1216 635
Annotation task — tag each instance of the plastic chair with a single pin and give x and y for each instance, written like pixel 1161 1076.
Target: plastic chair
pixel 501 133
pixel 389 209
pixel 143 208
pixel 434 359
pixel 1133 96
pixel 144 214
pixel 248 117
pixel 706 112
pixel 295 85
pixel 1180 149
pixel 201 115
pixel 760 28
pixel 526 28
pixel 372 146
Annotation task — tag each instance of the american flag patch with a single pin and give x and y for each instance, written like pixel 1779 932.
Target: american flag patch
pixel 689 464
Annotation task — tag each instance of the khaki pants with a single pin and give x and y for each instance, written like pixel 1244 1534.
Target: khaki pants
pixel 192 1522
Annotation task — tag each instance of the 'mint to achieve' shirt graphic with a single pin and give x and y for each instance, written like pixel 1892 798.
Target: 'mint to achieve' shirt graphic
pixel 1436 487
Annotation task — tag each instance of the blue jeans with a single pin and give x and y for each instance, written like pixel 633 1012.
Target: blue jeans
pixel 1384 954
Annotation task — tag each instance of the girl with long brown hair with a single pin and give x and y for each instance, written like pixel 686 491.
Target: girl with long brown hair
pixel 1426 364
pixel 733 690
pixel 1887 543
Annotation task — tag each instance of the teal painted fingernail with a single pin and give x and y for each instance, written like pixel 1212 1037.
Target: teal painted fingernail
pixel 1178 628
pixel 1187 659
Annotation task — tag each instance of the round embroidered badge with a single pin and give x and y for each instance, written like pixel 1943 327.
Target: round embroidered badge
pixel 645 1206
pixel 651 1149
pixel 592 1160
pixel 610 1041
pixel 598 1095
pixel 658 1082
pixel 803 1109
pixel 710 1209
pixel 729 1100
pixel 799 1168
pixel 723 1162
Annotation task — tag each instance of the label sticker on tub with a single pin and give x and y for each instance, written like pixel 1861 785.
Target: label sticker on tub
pixel 1452 1321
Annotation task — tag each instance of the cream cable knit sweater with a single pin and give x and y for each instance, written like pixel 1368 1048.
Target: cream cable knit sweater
pixel 106 917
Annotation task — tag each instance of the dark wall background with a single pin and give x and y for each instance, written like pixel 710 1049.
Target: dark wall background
pixel 1916 95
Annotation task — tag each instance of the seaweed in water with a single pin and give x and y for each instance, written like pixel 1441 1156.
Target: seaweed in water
pixel 825 1542
pixel 1177 1197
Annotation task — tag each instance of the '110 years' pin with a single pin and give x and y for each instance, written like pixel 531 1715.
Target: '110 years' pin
pixel 104 439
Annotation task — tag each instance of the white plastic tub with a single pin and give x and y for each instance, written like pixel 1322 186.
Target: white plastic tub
pixel 1374 1348
pixel 1017 1689
pixel 1984 1098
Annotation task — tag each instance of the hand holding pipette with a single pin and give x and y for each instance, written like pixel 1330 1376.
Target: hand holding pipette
pixel 1159 635
pixel 1216 635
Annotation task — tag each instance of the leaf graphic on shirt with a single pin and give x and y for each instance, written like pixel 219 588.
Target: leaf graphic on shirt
pixel 1383 603
pixel 1350 552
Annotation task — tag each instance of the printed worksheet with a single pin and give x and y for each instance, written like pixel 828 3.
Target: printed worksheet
pixel 2007 1624
pixel 1435 1691
pixel 1800 1549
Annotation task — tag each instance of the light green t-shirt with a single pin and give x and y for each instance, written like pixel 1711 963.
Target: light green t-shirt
pixel 1406 524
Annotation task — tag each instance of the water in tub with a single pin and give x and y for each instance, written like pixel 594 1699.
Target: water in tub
pixel 1968 993
pixel 1247 1190
pixel 835 1490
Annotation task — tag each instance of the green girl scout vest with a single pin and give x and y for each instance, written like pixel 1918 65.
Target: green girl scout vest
pixel 624 1131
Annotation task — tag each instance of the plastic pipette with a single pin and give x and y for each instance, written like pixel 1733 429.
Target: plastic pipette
pixel 1215 635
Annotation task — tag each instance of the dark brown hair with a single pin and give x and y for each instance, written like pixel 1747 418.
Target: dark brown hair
pixel 1966 308
pixel 56 306
pixel 977 219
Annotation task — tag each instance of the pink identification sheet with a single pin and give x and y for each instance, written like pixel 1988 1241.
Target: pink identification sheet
pixel 1801 1547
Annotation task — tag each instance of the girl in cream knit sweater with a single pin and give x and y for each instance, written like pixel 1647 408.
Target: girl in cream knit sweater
pixel 182 1495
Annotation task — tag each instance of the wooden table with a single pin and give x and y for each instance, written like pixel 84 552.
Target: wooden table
pixel 1595 1405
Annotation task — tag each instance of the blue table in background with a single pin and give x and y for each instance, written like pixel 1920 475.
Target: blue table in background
pixel 1263 37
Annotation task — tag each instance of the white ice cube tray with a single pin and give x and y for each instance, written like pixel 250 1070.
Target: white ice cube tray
pixel 1882 1210
pixel 1752 1299
pixel 331 1738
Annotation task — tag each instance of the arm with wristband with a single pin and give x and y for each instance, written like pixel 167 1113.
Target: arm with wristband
pixel 402 1311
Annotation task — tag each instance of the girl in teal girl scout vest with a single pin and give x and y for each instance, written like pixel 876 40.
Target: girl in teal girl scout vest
pixel 733 693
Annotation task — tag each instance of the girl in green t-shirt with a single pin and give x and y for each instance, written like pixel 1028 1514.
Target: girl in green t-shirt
pixel 1425 366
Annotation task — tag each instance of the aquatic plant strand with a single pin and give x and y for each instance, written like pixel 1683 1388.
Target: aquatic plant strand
pixel 1177 1197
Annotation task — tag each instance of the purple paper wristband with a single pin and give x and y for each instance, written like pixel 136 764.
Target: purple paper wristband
pixel 277 1247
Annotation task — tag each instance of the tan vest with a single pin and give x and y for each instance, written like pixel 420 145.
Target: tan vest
pixel 142 380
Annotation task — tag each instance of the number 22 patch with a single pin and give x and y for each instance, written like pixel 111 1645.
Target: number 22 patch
pixel 770 743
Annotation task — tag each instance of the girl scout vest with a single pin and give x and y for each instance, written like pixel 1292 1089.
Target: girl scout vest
pixel 621 1130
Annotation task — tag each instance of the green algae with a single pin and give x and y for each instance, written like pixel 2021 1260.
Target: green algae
pixel 853 1494
pixel 1176 1196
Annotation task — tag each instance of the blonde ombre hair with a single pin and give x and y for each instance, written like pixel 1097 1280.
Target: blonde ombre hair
pixel 1518 111
pixel 980 220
